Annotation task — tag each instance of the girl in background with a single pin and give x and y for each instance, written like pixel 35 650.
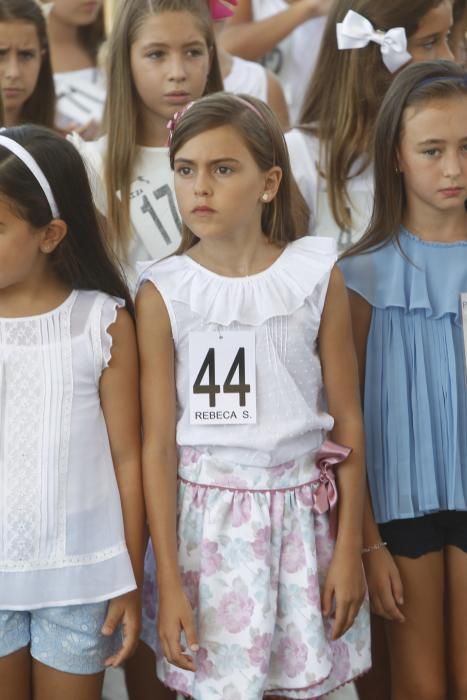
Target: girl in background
pixel 247 324
pixel 330 151
pixel 161 56
pixel 27 87
pixel 247 77
pixel 284 36
pixel 408 282
pixel 76 33
pixel 72 513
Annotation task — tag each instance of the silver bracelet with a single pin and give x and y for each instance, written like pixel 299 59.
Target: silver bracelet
pixel 374 547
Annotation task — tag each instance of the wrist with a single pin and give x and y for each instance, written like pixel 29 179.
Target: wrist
pixel 310 10
pixel 374 547
pixel 349 541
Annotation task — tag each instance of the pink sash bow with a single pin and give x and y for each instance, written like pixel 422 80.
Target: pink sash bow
pixel 325 496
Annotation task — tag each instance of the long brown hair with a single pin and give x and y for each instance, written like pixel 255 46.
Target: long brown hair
pixel 121 110
pixel 83 259
pixel 415 85
pixel 346 91
pixel 285 217
pixel 92 36
pixel 40 107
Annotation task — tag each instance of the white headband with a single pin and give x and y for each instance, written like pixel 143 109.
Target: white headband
pixel 356 32
pixel 33 166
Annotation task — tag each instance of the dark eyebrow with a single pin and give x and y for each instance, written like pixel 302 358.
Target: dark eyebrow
pixel 211 162
pixel 163 45
pixel 430 142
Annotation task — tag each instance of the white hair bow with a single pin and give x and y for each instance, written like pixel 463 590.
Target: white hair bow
pixel 356 32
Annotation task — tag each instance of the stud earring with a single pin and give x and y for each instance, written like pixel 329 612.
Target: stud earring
pixel 265 197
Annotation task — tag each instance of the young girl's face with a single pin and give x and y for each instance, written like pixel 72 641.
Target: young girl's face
pixel 20 64
pixel 19 246
pixel 433 155
pixel 219 185
pixel 78 13
pixel 170 63
pixel 430 41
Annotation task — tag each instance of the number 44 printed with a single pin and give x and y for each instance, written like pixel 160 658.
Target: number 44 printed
pixel 222 378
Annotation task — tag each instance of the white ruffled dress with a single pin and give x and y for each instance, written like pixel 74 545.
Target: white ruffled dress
pixel 253 528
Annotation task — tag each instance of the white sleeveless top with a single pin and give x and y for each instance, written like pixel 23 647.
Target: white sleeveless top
pixel 294 58
pixel 282 308
pixel 61 526
pixel 247 77
pixel 304 152
pixel 155 221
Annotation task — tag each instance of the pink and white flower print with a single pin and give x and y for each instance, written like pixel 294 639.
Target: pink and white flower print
pixel 252 563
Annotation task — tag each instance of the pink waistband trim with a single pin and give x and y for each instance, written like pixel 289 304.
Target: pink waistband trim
pixel 315 472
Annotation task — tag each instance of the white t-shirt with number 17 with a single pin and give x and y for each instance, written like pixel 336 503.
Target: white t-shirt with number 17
pixel 155 221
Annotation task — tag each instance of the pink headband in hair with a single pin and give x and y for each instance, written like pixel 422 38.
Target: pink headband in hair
pixel 172 123
pixel 219 10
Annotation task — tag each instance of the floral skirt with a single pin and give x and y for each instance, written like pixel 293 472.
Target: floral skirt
pixel 255 545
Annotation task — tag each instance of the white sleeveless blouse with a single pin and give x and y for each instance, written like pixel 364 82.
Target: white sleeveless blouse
pixel 282 306
pixel 61 526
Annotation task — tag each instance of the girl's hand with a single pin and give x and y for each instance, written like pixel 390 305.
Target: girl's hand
pixel 176 616
pixel 126 611
pixel 89 131
pixel 384 584
pixel 345 584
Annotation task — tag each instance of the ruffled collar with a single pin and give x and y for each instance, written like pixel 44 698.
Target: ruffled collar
pixel 415 274
pixel 277 291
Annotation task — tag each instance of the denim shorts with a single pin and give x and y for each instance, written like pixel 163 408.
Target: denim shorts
pixel 65 638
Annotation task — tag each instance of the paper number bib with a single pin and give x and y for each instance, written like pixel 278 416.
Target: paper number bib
pixel 222 378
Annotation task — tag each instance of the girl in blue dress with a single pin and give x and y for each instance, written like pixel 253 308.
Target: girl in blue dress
pixel 408 286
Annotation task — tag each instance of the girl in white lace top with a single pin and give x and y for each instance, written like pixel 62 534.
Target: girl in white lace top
pixel 71 512
pixel 247 366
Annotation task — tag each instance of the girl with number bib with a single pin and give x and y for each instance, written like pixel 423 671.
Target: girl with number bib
pixel 408 282
pixel 248 373
pixel 76 32
pixel 161 55
pixel 72 512
pixel 330 148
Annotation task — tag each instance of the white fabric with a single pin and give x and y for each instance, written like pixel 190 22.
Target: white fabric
pixel 305 156
pixel 356 32
pixel 21 153
pixel 152 178
pixel 80 97
pixel 61 526
pixel 283 306
pixel 247 77
pixel 294 58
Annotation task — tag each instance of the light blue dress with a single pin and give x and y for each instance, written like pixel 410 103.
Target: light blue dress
pixel 415 403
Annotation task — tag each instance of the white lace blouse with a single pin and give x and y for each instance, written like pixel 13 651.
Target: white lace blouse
pixel 61 526
pixel 282 308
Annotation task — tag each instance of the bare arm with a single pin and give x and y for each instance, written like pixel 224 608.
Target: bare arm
pixel 158 397
pixel 383 577
pixel 120 404
pixel 251 40
pixel 276 100
pixel 345 579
